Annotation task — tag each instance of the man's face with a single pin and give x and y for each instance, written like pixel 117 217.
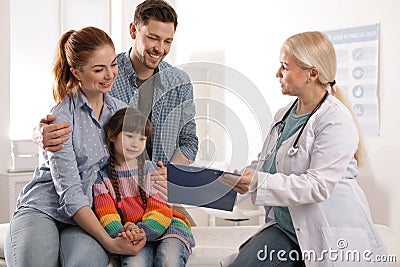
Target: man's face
pixel 152 42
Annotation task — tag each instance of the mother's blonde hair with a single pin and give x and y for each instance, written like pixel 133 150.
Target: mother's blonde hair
pixel 315 50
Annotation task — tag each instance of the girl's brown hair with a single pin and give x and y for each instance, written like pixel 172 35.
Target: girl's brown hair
pixel 127 120
pixel 74 50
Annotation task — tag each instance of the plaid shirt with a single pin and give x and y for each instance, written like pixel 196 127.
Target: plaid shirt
pixel 173 110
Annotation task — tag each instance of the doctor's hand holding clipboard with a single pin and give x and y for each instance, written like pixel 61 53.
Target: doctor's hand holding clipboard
pixel 241 181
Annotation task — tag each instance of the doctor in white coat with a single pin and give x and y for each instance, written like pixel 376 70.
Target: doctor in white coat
pixel 305 176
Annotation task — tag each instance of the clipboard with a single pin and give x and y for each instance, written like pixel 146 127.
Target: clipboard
pixel 198 186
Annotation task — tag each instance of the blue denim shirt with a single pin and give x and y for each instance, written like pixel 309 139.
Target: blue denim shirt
pixel 62 182
pixel 173 111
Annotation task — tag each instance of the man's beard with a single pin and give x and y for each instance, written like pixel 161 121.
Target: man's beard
pixel 142 59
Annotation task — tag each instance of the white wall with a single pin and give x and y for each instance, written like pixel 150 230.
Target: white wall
pixel 5 84
pixel 251 32
pixel 33 44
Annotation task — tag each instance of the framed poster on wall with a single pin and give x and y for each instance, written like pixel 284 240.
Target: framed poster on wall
pixel 357 52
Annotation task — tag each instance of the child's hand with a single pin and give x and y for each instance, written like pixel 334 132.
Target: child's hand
pixel 132 232
pixel 138 237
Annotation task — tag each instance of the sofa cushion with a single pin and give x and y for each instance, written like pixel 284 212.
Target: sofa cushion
pixel 392 244
pixel 215 243
pixel 3 229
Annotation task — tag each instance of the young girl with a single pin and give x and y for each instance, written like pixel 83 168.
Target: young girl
pixel 123 193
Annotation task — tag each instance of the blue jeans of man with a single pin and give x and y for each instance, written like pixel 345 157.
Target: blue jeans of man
pixel 168 252
pixel 270 247
pixel 36 239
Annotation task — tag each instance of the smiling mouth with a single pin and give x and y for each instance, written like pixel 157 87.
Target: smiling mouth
pixel 106 84
pixel 154 56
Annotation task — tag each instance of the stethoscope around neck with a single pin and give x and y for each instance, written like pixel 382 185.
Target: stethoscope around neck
pixel 281 124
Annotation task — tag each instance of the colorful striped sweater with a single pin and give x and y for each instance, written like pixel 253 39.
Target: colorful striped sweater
pixel 155 217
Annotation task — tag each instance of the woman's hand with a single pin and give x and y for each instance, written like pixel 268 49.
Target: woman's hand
pixel 159 178
pixel 130 241
pixel 242 184
pixel 137 246
pixel 132 232
pixel 123 246
pixel 134 235
pixel 86 219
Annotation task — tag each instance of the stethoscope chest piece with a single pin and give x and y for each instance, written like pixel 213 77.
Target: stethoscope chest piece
pixel 292 151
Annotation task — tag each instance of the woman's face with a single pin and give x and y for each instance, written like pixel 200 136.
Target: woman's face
pixel 292 78
pixel 99 73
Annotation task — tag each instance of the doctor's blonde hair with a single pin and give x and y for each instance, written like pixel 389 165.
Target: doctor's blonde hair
pixel 315 50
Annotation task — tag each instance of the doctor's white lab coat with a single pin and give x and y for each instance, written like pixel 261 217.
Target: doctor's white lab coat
pixel 329 210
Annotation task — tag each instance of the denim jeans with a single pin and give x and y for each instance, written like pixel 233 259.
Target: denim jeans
pixel 271 247
pixel 36 239
pixel 169 252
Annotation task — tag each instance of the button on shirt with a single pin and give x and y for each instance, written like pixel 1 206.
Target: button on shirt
pixel 62 183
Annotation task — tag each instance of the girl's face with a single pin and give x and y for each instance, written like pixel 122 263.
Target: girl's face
pixel 98 75
pixel 128 146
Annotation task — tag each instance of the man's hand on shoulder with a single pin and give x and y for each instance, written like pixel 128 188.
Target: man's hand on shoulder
pixel 51 136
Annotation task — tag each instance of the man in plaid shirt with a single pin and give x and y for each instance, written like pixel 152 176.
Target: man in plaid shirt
pixel 153 86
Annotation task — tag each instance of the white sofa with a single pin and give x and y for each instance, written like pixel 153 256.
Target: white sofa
pixel 213 243
pixel 3 229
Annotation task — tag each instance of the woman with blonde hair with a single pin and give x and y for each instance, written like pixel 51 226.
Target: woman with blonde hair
pixel 305 177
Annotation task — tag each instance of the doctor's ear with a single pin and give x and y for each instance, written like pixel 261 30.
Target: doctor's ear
pixel 313 74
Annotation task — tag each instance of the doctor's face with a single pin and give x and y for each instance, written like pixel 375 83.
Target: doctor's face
pixel 291 76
